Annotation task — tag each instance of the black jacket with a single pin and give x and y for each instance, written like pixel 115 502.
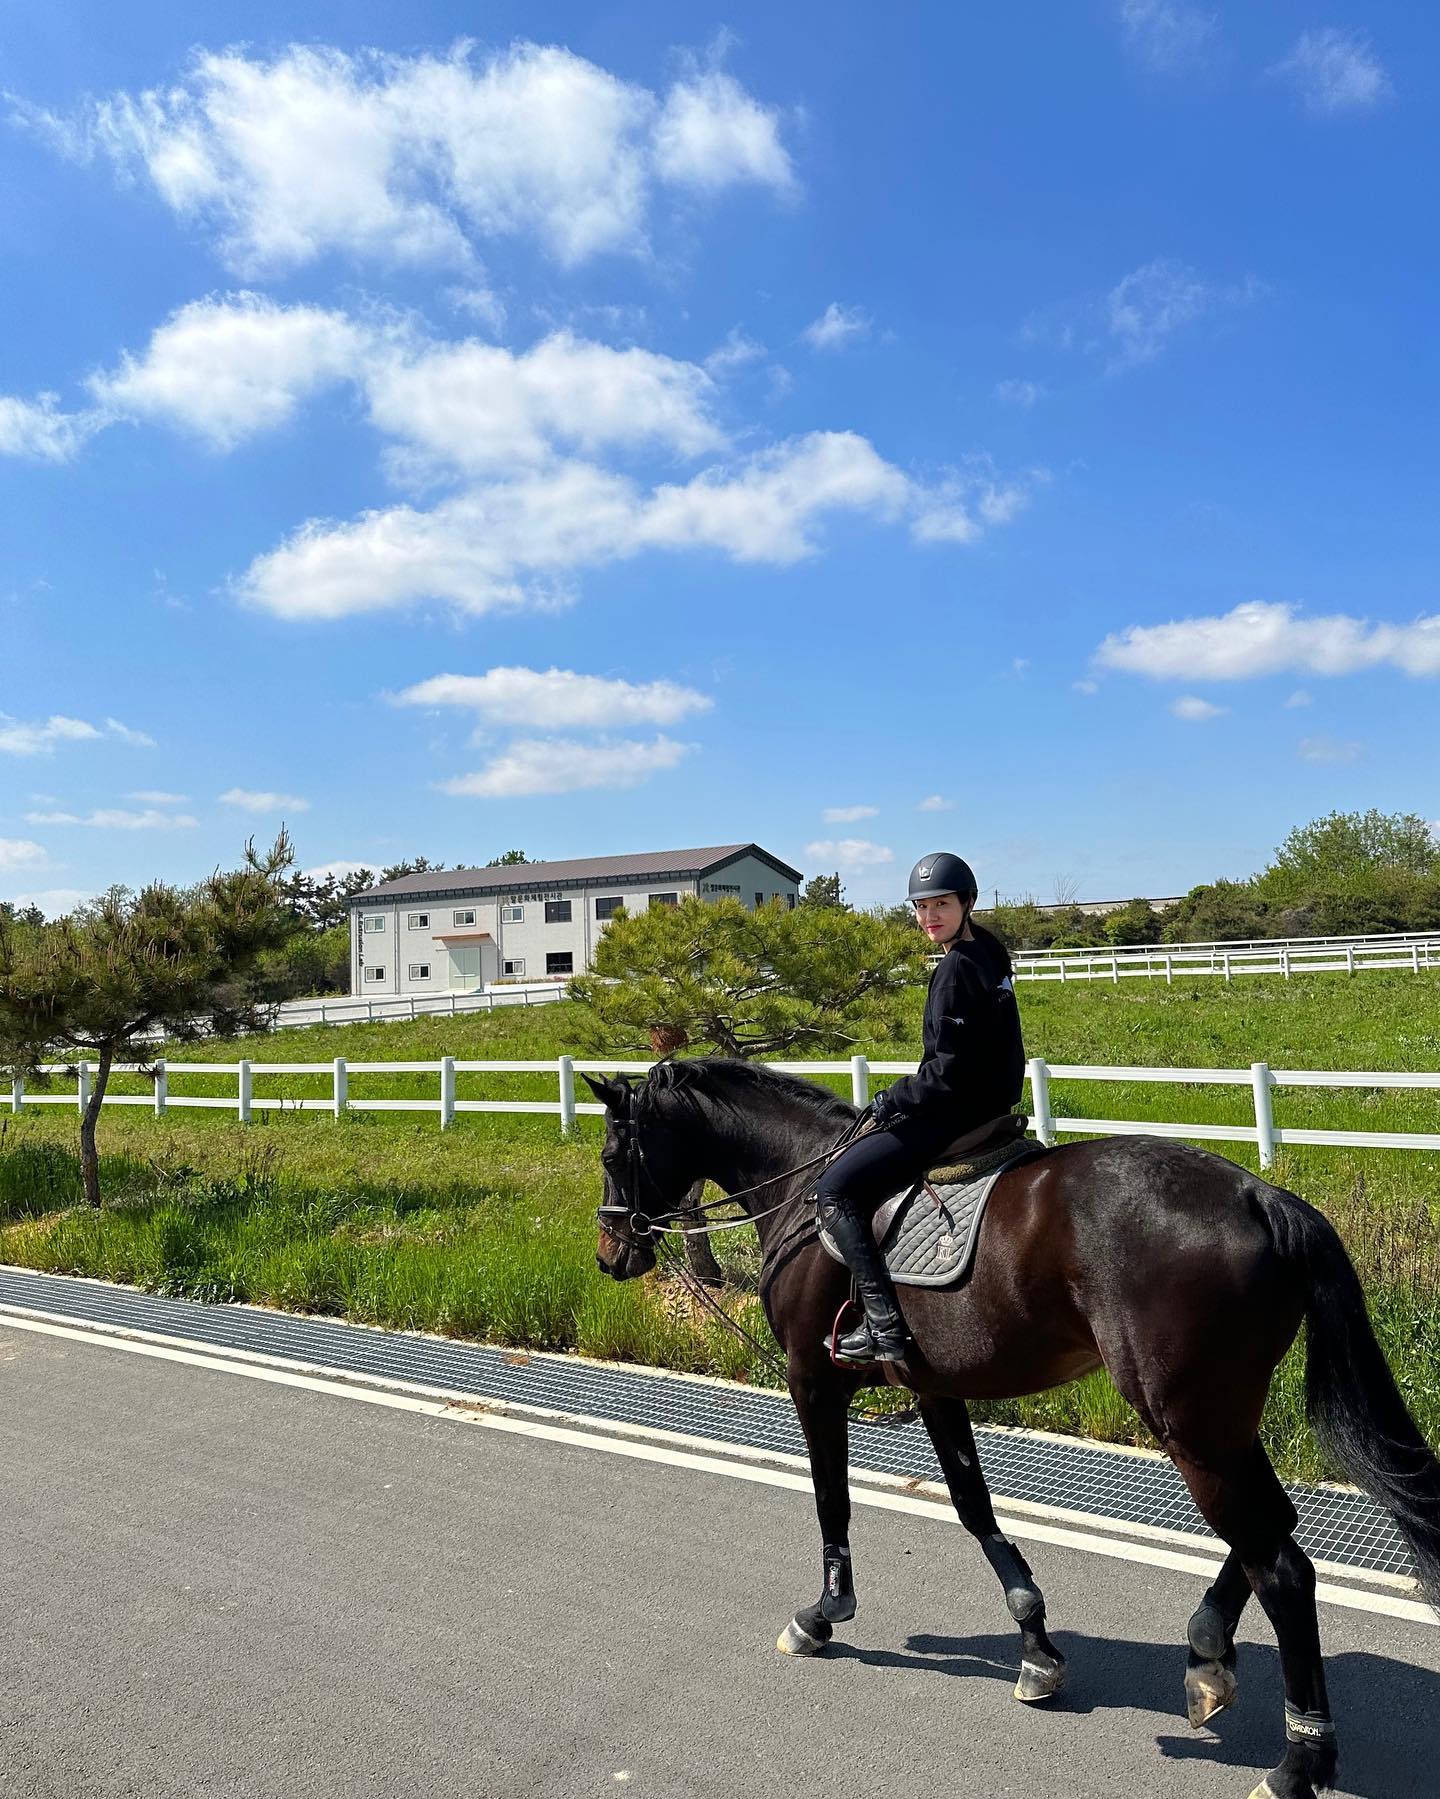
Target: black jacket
pixel 974 1062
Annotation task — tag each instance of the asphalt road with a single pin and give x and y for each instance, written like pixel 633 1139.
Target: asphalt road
pixel 213 1586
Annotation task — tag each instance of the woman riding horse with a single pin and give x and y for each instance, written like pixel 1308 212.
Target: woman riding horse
pixel 1182 1274
pixel 972 1072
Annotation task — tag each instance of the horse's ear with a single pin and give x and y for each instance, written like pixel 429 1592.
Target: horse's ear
pixel 613 1095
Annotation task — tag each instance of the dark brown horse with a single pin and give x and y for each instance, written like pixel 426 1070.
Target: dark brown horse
pixel 1184 1275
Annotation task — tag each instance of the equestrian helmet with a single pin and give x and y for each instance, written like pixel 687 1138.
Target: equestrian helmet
pixel 942 873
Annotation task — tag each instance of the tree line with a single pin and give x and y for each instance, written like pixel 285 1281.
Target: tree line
pixel 1348 874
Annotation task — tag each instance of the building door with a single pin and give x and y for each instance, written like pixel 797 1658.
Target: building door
pixel 465 968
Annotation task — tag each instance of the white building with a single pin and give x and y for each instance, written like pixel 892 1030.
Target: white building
pixel 458 929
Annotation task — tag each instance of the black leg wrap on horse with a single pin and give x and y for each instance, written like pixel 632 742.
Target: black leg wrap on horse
pixel 1315 1729
pixel 837 1601
pixel 1023 1599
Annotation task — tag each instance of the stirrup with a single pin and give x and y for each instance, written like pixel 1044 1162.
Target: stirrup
pixel 864 1344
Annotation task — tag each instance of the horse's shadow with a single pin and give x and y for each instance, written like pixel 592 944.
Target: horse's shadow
pixel 1385 1708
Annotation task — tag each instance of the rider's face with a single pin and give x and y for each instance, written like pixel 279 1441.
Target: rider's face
pixel 940 918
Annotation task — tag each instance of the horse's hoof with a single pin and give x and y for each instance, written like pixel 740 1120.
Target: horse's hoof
pixel 795 1640
pixel 1038 1681
pixel 1209 1688
pixel 1263 1791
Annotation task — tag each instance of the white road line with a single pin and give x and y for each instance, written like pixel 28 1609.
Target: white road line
pixel 479 1412
pixel 879 1477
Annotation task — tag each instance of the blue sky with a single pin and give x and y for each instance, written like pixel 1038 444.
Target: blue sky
pixel 590 430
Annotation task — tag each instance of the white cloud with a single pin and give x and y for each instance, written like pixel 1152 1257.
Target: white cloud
pixel 1086 687
pixel 150 796
pixel 837 326
pixel 517 542
pixel 558 699
pixel 1023 394
pixel 231 367
pixel 54 902
pixel 478 406
pixel 849 852
pixel 19 739
pixel 412 159
pixel 1329 750
pixel 935 802
pixel 1267 638
pixel 249 800
pixel 1146 308
pixel 340 870
pixel 20 852
pixel 114 818
pixel 481 303
pixel 963 503
pixel 848 815
pixel 127 734
pixel 1335 71
pixel 543 765
pixel 37 429
pixel 1298 698
pixel 737 350
pixel 1166 35
pixel 1197 711
pixel 711 133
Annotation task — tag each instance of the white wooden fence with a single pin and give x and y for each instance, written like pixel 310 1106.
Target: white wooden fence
pixel 1348 956
pixel 341 1008
pixel 1259 1078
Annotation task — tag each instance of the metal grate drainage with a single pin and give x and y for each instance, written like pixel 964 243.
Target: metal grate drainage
pixel 1343 1528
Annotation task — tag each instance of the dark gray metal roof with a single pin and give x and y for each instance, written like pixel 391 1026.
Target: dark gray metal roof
pixel 586 871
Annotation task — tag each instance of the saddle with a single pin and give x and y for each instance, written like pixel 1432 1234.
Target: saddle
pixel 927 1232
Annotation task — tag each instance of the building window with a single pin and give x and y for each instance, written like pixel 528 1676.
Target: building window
pixel 557 911
pixel 419 971
pixel 607 908
pixel 375 921
pixel 375 971
pixel 417 921
pixel 512 915
pixel 463 918
pixel 560 962
pixel 664 899
pixel 759 899
pixel 790 901
pixel 513 965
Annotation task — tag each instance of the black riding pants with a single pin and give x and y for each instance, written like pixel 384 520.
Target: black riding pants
pixel 883 1162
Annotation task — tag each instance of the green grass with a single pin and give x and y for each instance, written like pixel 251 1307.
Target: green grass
pixel 486 1230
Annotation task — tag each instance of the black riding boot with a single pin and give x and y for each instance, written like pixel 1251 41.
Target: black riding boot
pixel 882 1336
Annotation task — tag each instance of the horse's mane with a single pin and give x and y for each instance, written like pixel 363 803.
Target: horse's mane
pixel 738 1084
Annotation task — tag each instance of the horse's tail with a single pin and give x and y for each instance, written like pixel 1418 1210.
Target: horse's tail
pixel 1351 1400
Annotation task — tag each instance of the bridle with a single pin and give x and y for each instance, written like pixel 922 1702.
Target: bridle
pixel 642 1224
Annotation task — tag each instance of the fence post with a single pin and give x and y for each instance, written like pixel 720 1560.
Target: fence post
pixel 82 1088
pixel 246 1092
pixel 1225 961
pixel 342 1086
pixel 1041 1116
pixel 1349 958
pixel 17 1096
pixel 1415 957
pixel 447 1092
pixel 1115 969
pixel 567 1096
pixel 860 1080
pixel 1169 973
pixel 162 1087
pixel 1285 963
pixel 1260 1079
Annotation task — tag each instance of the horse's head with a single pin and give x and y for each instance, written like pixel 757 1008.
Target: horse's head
pixel 644 1183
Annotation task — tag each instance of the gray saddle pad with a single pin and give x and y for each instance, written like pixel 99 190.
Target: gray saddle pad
pixel 927 1234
